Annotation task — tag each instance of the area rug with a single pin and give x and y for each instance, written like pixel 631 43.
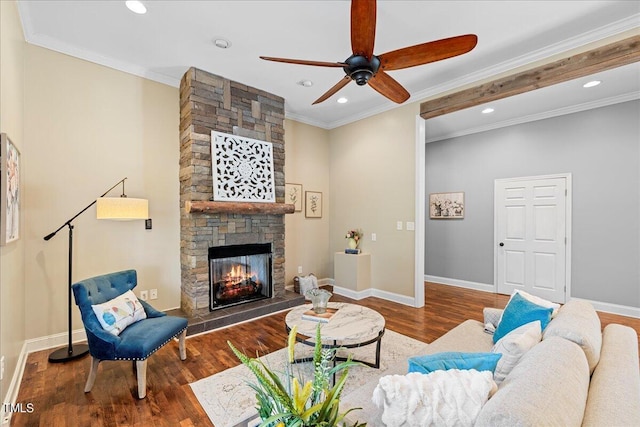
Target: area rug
pixel 228 400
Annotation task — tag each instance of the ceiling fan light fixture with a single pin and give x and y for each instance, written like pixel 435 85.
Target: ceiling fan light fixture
pixel 361 77
pixel 305 83
pixel 366 68
pixel 136 6
pixel 592 83
pixel 361 69
pixel 342 100
pixel 488 110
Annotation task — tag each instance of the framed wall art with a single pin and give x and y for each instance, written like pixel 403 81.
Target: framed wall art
pixel 242 169
pixel 293 195
pixel 446 205
pixel 10 191
pixel 312 204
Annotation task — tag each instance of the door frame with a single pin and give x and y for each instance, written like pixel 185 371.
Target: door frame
pixel 420 212
pixel 568 216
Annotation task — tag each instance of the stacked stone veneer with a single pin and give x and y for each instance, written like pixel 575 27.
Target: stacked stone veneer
pixel 209 102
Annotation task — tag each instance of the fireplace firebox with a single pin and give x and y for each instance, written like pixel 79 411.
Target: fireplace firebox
pixel 239 274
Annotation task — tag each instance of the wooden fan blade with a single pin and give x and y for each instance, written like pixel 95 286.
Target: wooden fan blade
pixel 387 86
pixel 305 62
pixel 363 27
pixel 328 94
pixel 428 52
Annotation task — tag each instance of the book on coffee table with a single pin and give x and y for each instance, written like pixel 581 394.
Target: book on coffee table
pixel 322 317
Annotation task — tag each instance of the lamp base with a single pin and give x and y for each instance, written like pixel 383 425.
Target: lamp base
pixel 64 355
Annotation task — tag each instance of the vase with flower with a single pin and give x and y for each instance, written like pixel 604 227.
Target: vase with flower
pixel 353 238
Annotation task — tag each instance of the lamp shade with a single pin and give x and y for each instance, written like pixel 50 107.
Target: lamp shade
pixel 122 208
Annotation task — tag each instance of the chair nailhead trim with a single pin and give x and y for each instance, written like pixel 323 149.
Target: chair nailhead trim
pixel 152 351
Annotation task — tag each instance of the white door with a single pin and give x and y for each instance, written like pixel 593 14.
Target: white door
pixel 531 232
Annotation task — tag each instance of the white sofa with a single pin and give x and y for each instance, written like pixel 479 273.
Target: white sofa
pixel 577 375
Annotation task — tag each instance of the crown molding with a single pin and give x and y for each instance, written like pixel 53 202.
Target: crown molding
pixel 609 30
pixel 595 35
pixel 631 96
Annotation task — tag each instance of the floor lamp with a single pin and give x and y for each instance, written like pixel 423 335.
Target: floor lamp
pixel 122 208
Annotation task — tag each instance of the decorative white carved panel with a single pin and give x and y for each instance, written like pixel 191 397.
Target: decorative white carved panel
pixel 242 169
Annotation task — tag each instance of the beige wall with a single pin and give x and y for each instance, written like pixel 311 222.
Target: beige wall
pixel 307 239
pixel 12 260
pixel 89 126
pixel 372 187
pixel 366 172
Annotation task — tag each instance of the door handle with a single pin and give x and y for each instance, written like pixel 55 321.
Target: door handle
pixel 501 244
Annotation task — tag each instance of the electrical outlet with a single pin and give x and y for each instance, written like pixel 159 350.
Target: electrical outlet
pixel 153 294
pixel 374 237
pixel 399 225
pixel 299 269
pixel 2 368
pixel 144 295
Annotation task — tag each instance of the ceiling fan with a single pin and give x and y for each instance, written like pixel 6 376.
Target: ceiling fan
pixel 365 67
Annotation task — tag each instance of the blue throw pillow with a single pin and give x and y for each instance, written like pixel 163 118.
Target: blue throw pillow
pixel 454 360
pixel 519 312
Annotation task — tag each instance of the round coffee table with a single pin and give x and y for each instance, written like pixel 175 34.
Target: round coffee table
pixel 350 327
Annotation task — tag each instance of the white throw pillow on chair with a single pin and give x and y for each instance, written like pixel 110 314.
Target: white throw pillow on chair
pixel 116 314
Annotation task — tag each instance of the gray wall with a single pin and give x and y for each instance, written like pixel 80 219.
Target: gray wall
pixel 599 147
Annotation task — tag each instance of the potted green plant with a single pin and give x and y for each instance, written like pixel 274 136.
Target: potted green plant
pixel 295 402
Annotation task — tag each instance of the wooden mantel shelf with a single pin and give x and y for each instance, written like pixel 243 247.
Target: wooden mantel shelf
pixel 239 207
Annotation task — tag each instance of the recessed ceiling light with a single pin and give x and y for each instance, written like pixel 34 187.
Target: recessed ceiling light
pixel 222 43
pixel 488 110
pixel 305 83
pixel 136 6
pixel 342 100
pixel 592 83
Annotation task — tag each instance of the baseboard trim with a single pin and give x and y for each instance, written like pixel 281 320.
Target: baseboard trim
pixel 14 386
pixel 349 293
pixel 389 296
pixel 56 340
pixel 326 282
pixel 485 287
pixel 607 307
pixel 620 310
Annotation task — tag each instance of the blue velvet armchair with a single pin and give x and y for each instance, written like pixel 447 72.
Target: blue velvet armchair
pixel 138 341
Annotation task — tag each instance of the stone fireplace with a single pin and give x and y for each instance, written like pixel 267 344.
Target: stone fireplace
pixel 213 103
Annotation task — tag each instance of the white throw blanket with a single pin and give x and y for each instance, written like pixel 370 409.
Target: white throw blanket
pixel 440 398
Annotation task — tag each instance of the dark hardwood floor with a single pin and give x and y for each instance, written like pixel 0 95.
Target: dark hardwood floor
pixel 56 390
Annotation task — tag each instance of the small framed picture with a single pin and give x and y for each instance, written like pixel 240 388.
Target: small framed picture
pixel 313 204
pixel 293 195
pixel 446 205
pixel 10 191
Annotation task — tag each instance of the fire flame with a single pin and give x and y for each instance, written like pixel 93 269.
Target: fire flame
pixel 237 274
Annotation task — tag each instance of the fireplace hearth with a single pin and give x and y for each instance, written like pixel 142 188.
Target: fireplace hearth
pixel 239 274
